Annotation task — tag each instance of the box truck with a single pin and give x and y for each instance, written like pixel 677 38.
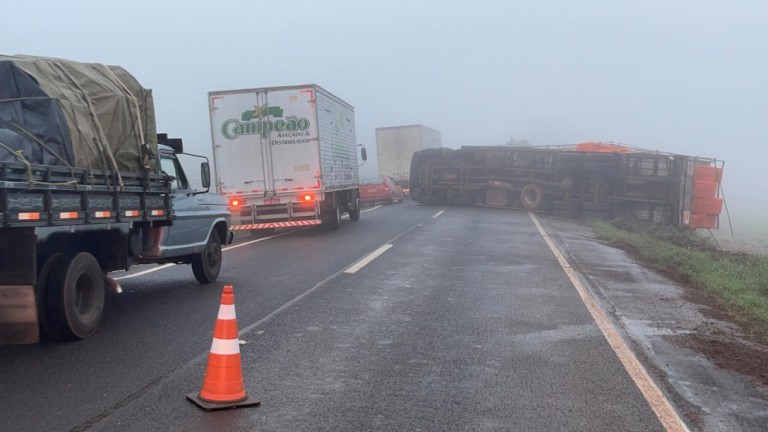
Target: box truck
pixel 396 145
pixel 285 156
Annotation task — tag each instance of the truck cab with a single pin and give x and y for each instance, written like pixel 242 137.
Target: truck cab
pixel 201 220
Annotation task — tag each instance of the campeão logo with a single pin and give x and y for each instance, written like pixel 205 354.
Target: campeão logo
pixel 262 111
pixel 233 128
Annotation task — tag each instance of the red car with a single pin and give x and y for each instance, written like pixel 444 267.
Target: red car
pixel 380 189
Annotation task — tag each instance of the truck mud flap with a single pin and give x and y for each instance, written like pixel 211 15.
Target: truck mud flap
pixel 18 310
pixel 18 315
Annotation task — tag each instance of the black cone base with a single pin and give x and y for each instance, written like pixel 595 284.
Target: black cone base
pixel 212 406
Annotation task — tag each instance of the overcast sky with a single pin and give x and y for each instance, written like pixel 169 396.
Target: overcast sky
pixel 683 76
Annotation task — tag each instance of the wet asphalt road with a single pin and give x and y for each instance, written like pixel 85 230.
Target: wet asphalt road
pixel 466 323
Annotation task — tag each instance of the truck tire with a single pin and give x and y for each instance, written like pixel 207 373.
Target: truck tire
pixel 333 220
pixel 354 214
pixel 532 196
pixel 207 264
pixel 74 297
pixel 41 293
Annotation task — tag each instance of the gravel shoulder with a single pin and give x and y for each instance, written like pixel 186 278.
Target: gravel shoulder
pixel 712 365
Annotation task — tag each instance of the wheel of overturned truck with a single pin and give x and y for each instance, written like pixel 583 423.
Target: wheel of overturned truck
pixel 207 264
pixel 74 297
pixel 532 196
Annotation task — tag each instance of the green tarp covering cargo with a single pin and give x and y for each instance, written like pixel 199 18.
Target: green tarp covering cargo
pixel 83 115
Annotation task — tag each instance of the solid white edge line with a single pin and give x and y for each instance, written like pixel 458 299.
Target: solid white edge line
pixel 346 216
pixel 367 259
pixel 262 239
pixel 143 272
pixel 659 403
pixel 437 215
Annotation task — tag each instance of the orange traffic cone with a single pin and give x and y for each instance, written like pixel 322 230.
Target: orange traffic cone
pixel 223 382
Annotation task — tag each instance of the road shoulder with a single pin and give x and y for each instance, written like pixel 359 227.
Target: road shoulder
pixel 707 365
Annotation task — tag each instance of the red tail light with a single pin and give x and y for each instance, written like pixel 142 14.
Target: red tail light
pixel 306 197
pixel 236 202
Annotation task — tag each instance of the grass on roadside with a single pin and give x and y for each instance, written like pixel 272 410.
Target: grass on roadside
pixel 739 279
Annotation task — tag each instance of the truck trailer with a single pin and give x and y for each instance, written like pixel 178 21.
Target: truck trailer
pixel 396 145
pixel 285 156
pixel 591 179
pixel 88 187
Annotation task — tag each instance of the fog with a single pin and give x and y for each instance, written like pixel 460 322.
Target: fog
pixel 684 76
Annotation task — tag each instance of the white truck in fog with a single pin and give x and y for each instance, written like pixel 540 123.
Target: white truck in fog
pixel 285 156
pixel 396 145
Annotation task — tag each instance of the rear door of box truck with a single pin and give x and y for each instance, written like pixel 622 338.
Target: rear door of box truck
pixel 389 151
pixel 265 143
pixel 395 147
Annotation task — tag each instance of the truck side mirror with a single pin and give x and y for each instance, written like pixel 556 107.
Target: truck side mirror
pixel 364 154
pixel 205 175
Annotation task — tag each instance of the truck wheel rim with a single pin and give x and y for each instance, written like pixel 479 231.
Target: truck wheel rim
pixel 84 295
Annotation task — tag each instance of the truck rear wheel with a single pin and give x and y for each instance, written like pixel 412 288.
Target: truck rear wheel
pixel 74 297
pixel 207 264
pixel 41 292
pixel 354 214
pixel 333 221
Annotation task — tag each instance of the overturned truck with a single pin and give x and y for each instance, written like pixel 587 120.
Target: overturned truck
pixel 585 180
